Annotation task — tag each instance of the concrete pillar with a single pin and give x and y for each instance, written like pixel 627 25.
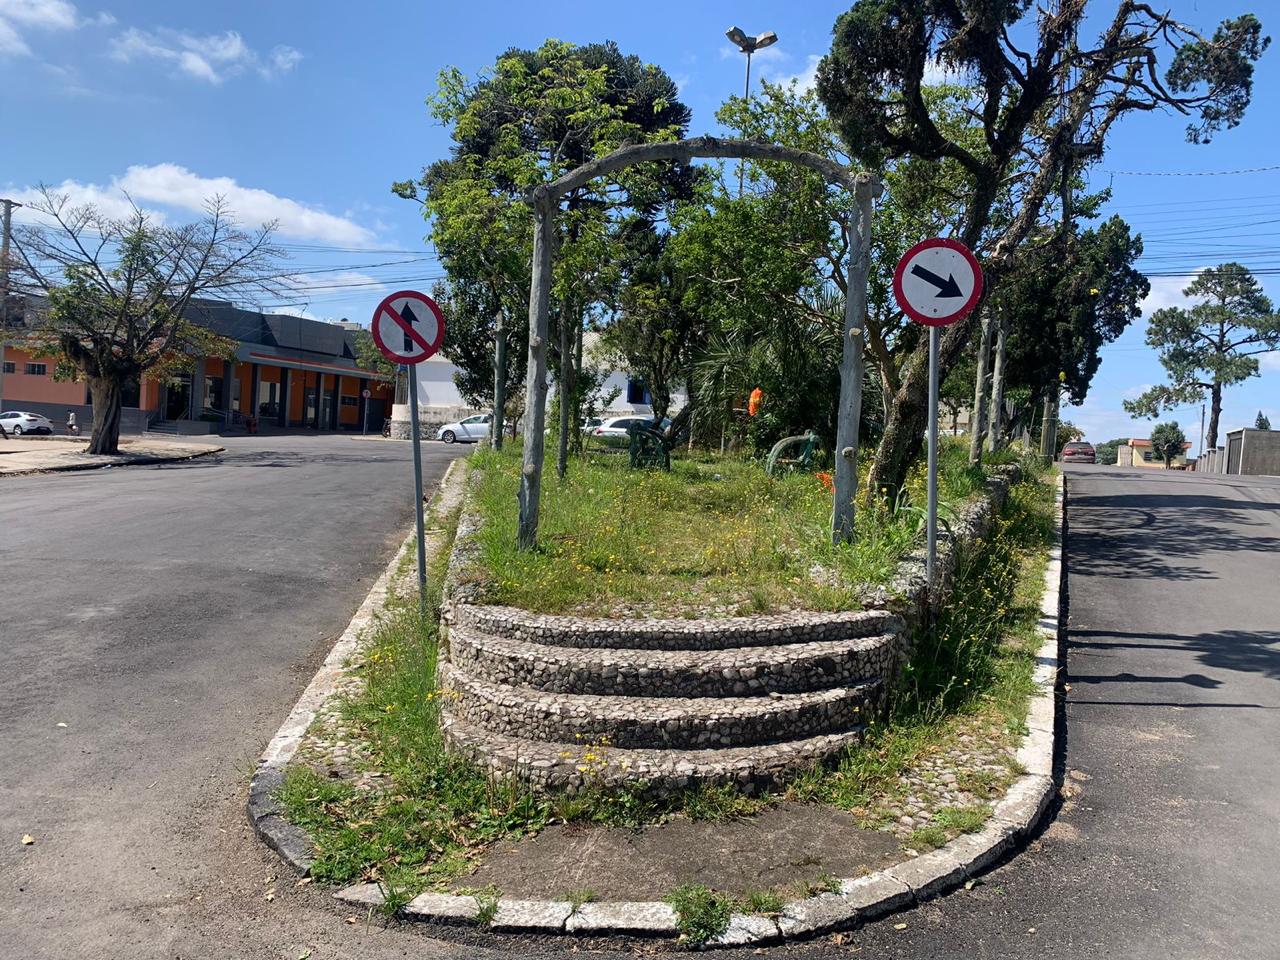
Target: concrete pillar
pixel 197 391
pixel 255 375
pixel 230 390
pixel 284 399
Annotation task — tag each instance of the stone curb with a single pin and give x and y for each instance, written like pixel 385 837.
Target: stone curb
pixel 141 461
pixel 859 899
pixel 292 843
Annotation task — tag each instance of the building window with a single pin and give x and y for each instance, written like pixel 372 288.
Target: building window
pixel 34 370
pixel 1147 456
pixel 637 392
pixel 351 401
pixel 10 367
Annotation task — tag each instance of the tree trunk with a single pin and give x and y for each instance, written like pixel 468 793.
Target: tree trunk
pixel 535 405
pixel 995 422
pixel 565 389
pixel 106 396
pixel 499 381
pixel 904 430
pixel 1215 411
pixel 576 446
pixel 977 417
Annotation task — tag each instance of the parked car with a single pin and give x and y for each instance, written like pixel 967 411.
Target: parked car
pixel 17 422
pixel 470 430
pixel 1077 451
pixel 613 431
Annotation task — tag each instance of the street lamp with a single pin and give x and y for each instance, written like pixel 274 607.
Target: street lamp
pixel 749 45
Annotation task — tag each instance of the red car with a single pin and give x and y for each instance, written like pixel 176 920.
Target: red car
pixel 1079 452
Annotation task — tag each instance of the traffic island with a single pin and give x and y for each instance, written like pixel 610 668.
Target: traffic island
pixel 20 457
pixel 925 791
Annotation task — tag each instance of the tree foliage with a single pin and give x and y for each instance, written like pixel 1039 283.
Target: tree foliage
pixel 1262 422
pixel 1211 345
pixel 1109 450
pixel 1168 441
pixel 121 292
pixel 1061 307
pixel 1047 103
pixel 533 116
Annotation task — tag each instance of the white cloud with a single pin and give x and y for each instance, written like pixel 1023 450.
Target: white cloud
pixel 936 72
pixel 1165 292
pixel 18 15
pixel 213 57
pixel 806 79
pixel 44 14
pixel 1270 361
pixel 11 42
pixel 164 186
pixel 1133 393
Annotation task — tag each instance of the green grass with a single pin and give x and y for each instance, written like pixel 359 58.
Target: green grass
pixel 701 913
pixel 436 813
pixel 972 672
pixel 766 902
pixel 715 537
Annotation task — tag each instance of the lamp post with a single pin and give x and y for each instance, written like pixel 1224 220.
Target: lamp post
pixel 749 45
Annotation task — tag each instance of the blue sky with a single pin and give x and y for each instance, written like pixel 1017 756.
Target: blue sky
pixel 305 113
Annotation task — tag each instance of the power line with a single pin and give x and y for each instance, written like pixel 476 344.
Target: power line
pixel 1190 173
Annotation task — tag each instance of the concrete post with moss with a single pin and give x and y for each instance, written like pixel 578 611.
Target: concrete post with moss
pixel 536 385
pixel 849 412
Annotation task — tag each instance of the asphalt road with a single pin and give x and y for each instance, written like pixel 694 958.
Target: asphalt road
pixel 169 617
pixel 1166 845
pixel 197 614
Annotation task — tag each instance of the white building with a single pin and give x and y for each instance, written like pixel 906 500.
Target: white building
pixel 440 401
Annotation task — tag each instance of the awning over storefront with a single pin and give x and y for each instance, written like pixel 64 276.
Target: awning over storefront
pixel 292 363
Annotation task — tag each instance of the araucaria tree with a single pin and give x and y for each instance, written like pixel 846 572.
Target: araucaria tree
pixel 1047 104
pixel 1211 345
pixel 533 116
pixel 1168 441
pixel 120 292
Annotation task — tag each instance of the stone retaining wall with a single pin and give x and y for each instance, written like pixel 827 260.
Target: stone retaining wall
pixel 744 699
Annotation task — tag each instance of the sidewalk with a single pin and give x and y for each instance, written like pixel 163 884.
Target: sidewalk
pixel 24 456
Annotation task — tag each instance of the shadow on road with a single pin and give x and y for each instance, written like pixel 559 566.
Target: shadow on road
pixel 1162 535
pixel 1243 650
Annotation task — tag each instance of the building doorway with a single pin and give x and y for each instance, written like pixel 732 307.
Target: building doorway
pixel 177 398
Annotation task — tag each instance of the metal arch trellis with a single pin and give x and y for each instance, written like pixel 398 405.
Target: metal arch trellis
pixel 545 200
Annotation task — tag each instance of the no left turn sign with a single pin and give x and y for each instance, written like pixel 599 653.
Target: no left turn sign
pixel 937 282
pixel 408 327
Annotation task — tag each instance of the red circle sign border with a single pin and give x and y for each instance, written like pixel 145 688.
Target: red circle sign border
pixel 969 304
pixel 434 344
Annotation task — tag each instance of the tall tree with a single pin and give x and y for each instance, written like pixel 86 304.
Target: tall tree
pixel 1212 345
pixel 1168 441
pixel 120 292
pixel 533 116
pixel 1262 422
pixel 1061 306
pixel 1054 103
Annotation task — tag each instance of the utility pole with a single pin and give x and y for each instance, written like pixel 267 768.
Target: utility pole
pixel 5 237
pixel 748 45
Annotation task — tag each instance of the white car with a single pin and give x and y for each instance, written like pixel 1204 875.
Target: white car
pixel 614 430
pixel 17 423
pixel 470 430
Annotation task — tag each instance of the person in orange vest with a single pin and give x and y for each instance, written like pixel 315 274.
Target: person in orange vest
pixel 754 400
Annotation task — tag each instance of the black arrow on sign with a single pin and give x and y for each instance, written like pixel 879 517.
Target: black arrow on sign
pixel 411 319
pixel 946 288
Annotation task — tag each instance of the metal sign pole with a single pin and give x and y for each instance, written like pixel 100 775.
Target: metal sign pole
pixel 417 487
pixel 932 531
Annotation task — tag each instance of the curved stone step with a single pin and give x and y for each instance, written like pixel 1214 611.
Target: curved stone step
pixel 765 630
pixel 729 672
pixel 575 766
pixel 685 723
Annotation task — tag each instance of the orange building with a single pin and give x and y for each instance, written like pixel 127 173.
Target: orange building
pixel 287 372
